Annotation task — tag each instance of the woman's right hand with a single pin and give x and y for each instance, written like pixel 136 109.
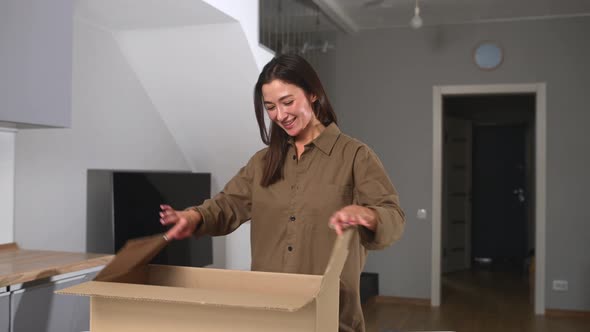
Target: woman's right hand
pixel 185 222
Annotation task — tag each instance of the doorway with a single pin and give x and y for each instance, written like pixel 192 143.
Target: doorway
pixel 487 214
pixel 488 180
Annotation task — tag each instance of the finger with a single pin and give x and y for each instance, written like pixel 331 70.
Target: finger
pixel 335 224
pixel 184 234
pixel 333 220
pixel 338 228
pixel 345 220
pixel 168 219
pixel 172 234
pixel 363 222
pixel 336 218
pixel 187 229
pixel 354 220
pixel 165 207
pixel 332 223
pixel 167 212
pixel 347 225
pixel 369 224
pixel 342 217
pixel 178 231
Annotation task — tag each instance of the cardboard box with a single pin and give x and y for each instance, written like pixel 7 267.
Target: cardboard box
pixel 131 295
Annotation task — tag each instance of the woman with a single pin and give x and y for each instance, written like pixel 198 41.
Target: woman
pixel 309 184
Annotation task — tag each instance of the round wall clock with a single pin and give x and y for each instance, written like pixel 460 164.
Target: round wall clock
pixel 488 55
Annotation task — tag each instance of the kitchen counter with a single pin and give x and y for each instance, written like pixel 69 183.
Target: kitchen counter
pixel 20 265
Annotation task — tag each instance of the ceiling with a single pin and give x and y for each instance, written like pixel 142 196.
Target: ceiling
pixel 299 15
pixel 370 14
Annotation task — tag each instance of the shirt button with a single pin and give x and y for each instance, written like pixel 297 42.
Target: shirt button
pixel 292 218
pixel 294 157
pixel 290 248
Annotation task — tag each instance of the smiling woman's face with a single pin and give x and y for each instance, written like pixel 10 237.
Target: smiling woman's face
pixel 288 106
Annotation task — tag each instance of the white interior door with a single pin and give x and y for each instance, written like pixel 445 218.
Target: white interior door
pixel 456 210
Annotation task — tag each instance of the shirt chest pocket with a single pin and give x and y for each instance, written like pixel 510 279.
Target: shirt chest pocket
pixel 326 198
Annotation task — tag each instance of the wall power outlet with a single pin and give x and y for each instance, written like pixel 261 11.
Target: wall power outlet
pixel 560 285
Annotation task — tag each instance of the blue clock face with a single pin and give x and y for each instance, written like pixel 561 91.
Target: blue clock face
pixel 488 56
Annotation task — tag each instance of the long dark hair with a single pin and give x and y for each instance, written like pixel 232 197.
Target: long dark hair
pixel 292 69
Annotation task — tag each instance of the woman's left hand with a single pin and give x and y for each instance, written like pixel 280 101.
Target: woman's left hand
pixel 352 215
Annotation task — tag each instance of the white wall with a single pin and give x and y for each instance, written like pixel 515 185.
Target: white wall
pixel 7 184
pixel 203 92
pixel 114 126
pixel 246 13
pixel 381 84
pixel 180 75
pixel 202 69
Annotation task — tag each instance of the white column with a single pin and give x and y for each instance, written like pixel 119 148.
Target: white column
pixel 7 136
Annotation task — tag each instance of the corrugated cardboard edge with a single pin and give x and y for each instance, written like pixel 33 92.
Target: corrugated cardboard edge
pixel 327 298
pixel 337 259
pixel 135 253
pixel 165 294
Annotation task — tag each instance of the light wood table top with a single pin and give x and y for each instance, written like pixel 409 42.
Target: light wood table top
pixel 21 265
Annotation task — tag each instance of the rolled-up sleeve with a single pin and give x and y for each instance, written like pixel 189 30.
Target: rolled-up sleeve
pixel 373 189
pixel 226 211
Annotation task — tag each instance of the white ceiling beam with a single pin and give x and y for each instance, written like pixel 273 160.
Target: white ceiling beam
pixel 338 15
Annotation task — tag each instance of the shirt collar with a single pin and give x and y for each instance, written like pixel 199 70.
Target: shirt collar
pixel 326 140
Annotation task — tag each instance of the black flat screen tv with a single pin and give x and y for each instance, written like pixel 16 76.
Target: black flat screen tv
pixel 136 205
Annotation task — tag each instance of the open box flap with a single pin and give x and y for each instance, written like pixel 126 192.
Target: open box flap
pixel 337 259
pixel 139 252
pixel 135 253
pixel 197 296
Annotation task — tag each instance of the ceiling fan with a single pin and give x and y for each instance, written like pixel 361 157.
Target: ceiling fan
pixel 416 21
pixel 371 4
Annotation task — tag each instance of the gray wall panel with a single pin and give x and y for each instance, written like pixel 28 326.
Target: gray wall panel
pixel 36 61
pixel 38 308
pixel 4 312
pixel 380 82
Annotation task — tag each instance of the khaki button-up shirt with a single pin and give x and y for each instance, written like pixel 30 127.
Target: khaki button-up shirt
pixel 289 229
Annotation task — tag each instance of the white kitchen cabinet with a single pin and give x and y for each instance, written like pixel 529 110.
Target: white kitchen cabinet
pixel 36 63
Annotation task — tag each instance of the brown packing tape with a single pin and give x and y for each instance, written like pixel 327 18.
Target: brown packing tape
pixel 135 253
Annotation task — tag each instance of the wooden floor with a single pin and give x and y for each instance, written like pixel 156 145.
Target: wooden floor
pixel 473 301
